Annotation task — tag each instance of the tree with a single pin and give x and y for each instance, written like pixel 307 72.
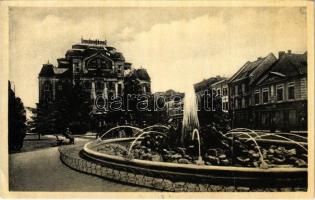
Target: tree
pixel 51 118
pixel 17 120
pixel 80 108
pixel 133 94
pixel 71 109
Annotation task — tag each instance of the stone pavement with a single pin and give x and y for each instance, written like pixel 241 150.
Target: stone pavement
pixel 42 170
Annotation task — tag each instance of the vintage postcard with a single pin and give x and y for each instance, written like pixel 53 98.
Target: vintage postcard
pixel 157 99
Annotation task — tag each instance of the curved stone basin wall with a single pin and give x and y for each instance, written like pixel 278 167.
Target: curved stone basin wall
pixel 199 174
pixel 70 156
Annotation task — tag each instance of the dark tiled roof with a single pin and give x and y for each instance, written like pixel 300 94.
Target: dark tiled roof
pixel 288 65
pixel 90 50
pixel 205 84
pixel 87 48
pixel 62 62
pixel 142 74
pixel 291 64
pixel 255 69
pixel 47 70
pixel 74 52
pixel 264 66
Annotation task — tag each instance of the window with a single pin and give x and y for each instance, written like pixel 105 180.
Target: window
pixel 99 64
pixel 243 88
pixel 236 104
pixel 76 66
pixel 219 92
pixel 243 102
pixel 265 95
pixel 225 106
pixel 47 86
pixel 59 87
pixel 119 89
pixel 143 89
pixel 279 92
pixel 214 92
pixel 291 91
pixel 224 92
pixel 236 90
pixel 256 97
pixel 47 91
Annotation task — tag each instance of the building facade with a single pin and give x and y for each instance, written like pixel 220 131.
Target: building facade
pixel 100 71
pixel 95 66
pixel 240 88
pixel 221 89
pixel 280 96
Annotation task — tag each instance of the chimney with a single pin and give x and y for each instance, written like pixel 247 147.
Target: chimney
pixel 258 58
pixel 289 51
pixel 281 53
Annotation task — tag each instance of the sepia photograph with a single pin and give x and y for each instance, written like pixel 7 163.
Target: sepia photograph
pixel 158 98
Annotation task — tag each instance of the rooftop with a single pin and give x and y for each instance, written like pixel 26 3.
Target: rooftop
pixel 288 65
pixel 254 69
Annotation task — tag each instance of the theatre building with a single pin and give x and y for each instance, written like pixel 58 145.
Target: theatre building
pixel 280 96
pixel 97 67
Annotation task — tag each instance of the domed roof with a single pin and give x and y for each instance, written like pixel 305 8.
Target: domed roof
pixel 73 52
pixel 142 74
pixel 118 56
pixel 47 70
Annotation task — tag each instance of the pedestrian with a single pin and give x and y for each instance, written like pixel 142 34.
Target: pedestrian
pixel 69 136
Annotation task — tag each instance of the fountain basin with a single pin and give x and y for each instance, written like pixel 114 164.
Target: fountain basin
pixel 201 174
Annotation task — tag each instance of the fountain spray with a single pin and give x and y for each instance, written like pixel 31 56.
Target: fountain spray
pixel 190 115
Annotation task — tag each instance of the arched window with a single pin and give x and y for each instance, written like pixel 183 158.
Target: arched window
pixel 99 63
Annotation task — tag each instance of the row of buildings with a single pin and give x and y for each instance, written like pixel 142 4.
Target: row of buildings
pixel 268 93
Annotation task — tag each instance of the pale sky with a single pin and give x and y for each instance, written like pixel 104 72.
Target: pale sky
pixel 178 46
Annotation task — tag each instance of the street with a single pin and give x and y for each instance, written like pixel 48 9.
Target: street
pixel 42 170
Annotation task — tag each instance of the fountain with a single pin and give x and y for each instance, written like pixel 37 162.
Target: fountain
pixel 285 138
pixel 263 163
pixel 137 138
pixel 199 161
pixel 190 116
pixel 119 127
pixel 148 153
